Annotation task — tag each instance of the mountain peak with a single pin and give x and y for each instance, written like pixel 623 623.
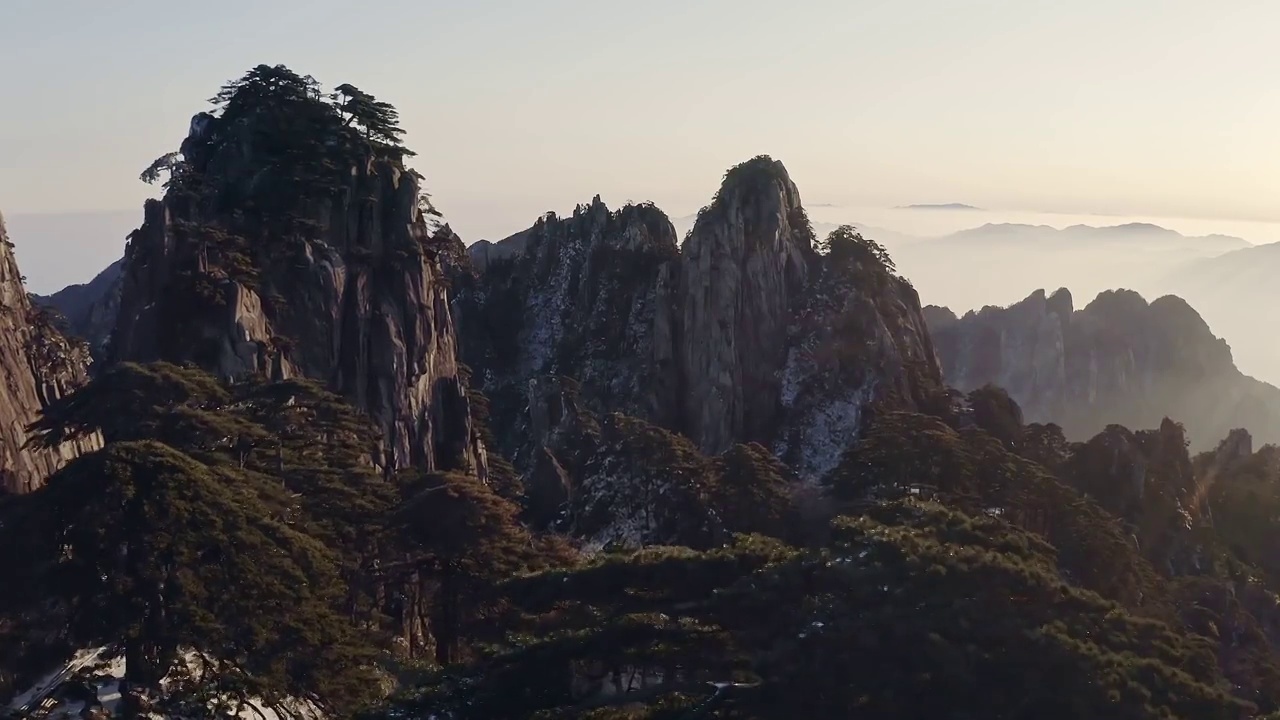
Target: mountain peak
pixel 1120 359
pixel 280 211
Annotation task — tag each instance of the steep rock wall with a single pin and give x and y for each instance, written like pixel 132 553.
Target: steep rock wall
pixel 742 266
pixel 38 365
pixel 745 334
pixel 349 290
pixel 574 296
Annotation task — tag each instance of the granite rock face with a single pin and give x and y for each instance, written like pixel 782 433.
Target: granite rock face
pixel 742 269
pixel 39 365
pixel 857 337
pixel 746 333
pixel 351 292
pixel 1118 360
pixel 574 296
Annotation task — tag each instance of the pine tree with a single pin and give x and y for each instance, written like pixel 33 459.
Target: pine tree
pixel 463 538
pixel 378 121
pixel 751 492
pixel 913 611
pixel 287 469
pixel 189 568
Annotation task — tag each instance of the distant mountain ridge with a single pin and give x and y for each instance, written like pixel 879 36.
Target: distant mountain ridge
pixel 1126 231
pixel 997 263
pixel 1119 359
pixel 937 206
pixel 1239 297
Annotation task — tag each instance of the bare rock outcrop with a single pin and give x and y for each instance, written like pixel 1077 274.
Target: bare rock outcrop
pixel 344 286
pixel 574 296
pixel 856 338
pixel 39 365
pixel 747 333
pixel 1118 360
pixel 742 269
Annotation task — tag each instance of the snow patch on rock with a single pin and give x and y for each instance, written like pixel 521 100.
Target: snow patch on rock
pixel 103 669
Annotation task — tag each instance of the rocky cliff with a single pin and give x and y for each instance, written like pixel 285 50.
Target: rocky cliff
pixel 746 333
pixel 574 296
pixel 313 261
pixel 39 365
pixel 1118 360
pixel 742 270
pixel 90 308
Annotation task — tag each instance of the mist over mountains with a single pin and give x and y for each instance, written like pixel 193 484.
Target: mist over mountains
pixel 1225 278
pixel 951 261
pixel 304 437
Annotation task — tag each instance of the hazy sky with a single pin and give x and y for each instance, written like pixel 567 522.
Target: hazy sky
pixel 1151 107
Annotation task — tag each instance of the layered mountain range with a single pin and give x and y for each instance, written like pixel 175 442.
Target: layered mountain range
pixel 725 336
pixel 1119 359
pixel 744 334
pixel 598 467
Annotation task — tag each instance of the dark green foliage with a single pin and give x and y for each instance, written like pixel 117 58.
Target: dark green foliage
pixel 916 611
pixel 465 537
pixel 600 626
pixel 752 492
pixel 167 554
pixel 237 522
pixel 164 163
pixel 997 413
pixel 307 440
pixel 461 527
pixel 907 453
pixel 273 149
pixel 295 136
pixel 1110 468
pixel 378 121
pixel 650 477
pixel 148 547
pixel 1178 547
pixel 898 450
pixel 927 593
pixel 258 193
pixel 845 245
pixel 1045 445
pixel 1244 497
pixel 130 402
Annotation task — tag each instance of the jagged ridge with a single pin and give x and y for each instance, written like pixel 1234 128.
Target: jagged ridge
pixel 1118 360
pixel 747 333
